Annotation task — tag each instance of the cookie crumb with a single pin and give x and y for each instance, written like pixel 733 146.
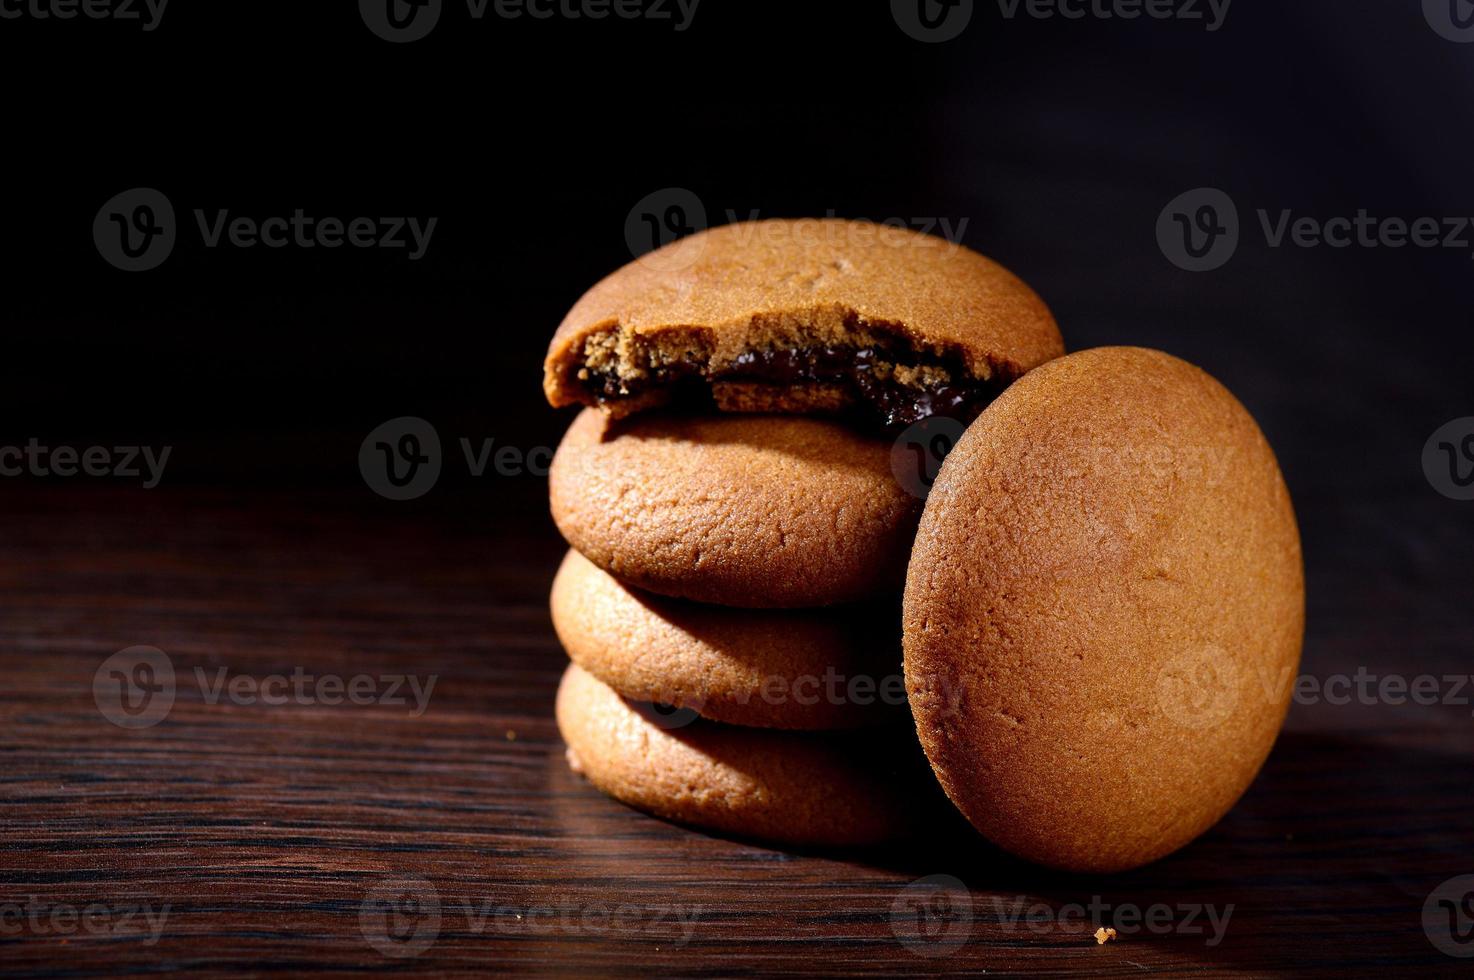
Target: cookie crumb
pixel 511 735
pixel 1104 935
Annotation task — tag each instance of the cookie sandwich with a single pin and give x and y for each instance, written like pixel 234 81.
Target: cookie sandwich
pixel 739 537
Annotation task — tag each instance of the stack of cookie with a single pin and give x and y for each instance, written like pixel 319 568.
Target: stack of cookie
pixel 741 513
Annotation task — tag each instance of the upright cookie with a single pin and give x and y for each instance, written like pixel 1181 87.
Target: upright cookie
pixel 786 787
pixel 1104 611
pixel 739 510
pixel 803 669
pixel 818 315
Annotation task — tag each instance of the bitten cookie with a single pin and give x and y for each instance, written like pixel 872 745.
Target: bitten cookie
pixel 768 668
pixel 1104 611
pixel 817 315
pixel 786 787
pixel 739 510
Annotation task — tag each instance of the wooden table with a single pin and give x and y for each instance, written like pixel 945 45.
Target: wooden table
pixel 274 839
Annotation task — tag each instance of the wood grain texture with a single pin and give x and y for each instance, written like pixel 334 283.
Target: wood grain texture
pixel 268 831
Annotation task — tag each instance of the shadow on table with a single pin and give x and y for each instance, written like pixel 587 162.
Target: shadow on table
pixel 1328 860
pixel 1325 864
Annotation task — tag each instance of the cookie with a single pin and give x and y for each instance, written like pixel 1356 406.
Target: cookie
pixel 813 315
pixel 802 669
pixel 1104 611
pixel 798 788
pixel 738 510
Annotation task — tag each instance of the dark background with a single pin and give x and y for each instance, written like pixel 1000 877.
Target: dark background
pixel 1058 142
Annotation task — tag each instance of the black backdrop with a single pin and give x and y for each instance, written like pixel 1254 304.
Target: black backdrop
pixel 1058 141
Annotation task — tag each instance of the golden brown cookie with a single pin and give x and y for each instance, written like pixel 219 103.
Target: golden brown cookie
pixel 800 788
pixel 739 510
pixel 803 315
pixel 803 669
pixel 1104 611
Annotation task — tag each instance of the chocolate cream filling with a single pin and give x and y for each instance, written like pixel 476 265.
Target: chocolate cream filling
pixel 869 374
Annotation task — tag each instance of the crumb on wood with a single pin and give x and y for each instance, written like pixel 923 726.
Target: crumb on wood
pixel 1104 935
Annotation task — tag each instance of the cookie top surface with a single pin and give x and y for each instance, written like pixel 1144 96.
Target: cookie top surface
pixel 800 669
pixel 1104 610
pixel 702 304
pixel 788 787
pixel 738 510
